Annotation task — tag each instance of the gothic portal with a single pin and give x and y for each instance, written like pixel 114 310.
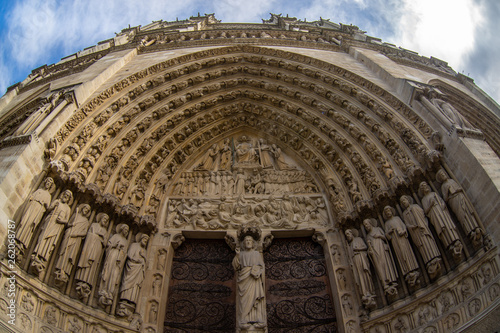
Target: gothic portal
pixel 196 176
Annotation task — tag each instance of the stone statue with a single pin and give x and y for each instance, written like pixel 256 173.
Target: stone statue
pixel 36 206
pixel 90 256
pixel 454 195
pixel 279 158
pixel 265 155
pixel 239 185
pixel 111 272
pixel 209 163
pixel 249 266
pixel 72 241
pixel 418 226
pixel 245 153
pixel 37 117
pixel 381 256
pixel 134 274
pixel 435 208
pixel 54 224
pixel 226 159
pixel 396 232
pixel 361 267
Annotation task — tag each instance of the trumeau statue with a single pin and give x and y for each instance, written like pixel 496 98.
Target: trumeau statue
pixel 111 272
pixel 396 232
pixel 54 224
pixel 249 266
pixel 72 241
pixel 381 256
pixel 361 267
pixel 133 275
pixel 418 226
pixel 454 195
pixel 90 256
pixel 435 208
pixel 36 206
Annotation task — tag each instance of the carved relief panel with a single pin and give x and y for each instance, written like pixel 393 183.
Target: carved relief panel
pixel 244 179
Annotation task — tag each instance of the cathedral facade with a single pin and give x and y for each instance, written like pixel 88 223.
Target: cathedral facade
pixel 289 176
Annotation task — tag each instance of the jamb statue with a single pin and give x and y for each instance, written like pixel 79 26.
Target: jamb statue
pixel 90 256
pixel 111 272
pixel 396 232
pixel 72 241
pixel 37 204
pixel 381 256
pixel 418 226
pixel 435 208
pixel 133 276
pixel 455 197
pixel 54 224
pixel 361 267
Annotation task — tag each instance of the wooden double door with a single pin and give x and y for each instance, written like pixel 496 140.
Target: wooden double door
pixel 202 288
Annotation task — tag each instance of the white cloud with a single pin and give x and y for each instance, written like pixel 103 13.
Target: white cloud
pixel 444 29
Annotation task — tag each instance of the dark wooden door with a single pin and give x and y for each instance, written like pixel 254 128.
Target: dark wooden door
pixel 201 295
pixel 297 288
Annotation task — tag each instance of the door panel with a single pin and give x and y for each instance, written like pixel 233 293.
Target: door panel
pixel 297 288
pixel 201 292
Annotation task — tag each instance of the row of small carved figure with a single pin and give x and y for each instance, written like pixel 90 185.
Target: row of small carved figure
pixel 415 223
pixel 228 183
pixel 82 246
pixel 285 213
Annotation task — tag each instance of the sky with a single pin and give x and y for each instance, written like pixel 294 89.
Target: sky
pixel 465 33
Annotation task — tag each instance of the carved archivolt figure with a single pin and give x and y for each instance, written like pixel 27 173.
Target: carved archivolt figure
pixel 70 247
pixel 361 267
pixel 134 270
pixel 249 265
pixel 111 272
pixel 435 209
pixel 381 256
pixel 418 226
pixel 454 195
pixel 91 253
pixel 37 204
pixel 53 227
pixel 396 232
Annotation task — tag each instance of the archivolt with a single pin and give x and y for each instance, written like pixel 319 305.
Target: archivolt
pixel 346 129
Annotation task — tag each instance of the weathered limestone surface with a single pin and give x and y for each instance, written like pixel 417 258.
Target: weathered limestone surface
pixel 202 130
